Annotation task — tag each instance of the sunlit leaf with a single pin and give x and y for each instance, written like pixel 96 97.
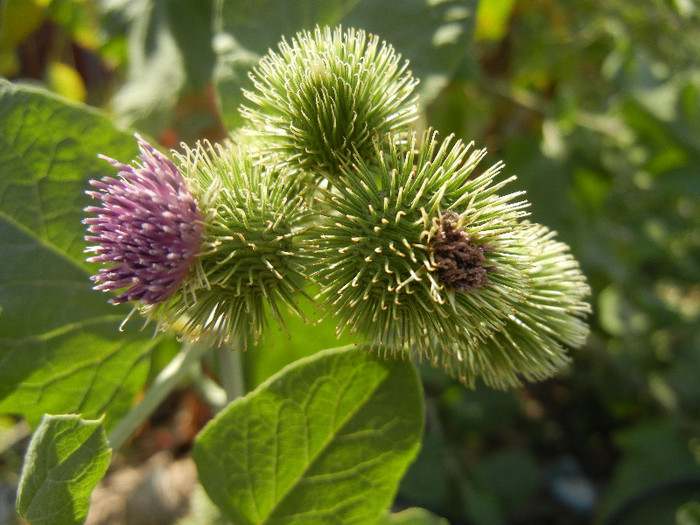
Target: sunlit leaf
pixel 325 440
pixel 492 19
pixel 18 19
pixel 66 81
pixel 689 514
pixel 412 516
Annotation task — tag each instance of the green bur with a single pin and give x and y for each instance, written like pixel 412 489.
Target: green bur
pixel 380 277
pixel 326 94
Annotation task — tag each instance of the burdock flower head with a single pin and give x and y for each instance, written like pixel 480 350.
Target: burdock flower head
pixel 328 93
pixel 250 262
pixel 147 230
pixel 422 256
pixel 205 246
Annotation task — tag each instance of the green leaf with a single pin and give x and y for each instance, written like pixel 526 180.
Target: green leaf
pixel 18 20
pixel 60 346
pixel 75 18
pixel 325 440
pixel 435 36
pixel 48 151
pixel 156 74
pixel 246 29
pixel 67 457
pixel 191 23
pixel 493 17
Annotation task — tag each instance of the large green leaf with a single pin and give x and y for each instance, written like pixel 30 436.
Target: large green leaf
pixel 66 458
pixel 48 151
pixel 324 441
pixel 435 36
pixel 60 346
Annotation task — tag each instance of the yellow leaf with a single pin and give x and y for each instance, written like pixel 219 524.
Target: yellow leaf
pixel 65 81
pixel 492 19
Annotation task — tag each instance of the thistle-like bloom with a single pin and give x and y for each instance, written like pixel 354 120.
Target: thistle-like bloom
pixel 420 257
pixel 327 94
pixel 249 262
pixel 147 231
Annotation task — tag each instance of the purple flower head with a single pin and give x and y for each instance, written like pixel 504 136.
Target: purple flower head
pixel 148 228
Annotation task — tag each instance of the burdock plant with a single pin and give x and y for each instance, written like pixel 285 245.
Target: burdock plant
pixel 408 242
pixel 415 249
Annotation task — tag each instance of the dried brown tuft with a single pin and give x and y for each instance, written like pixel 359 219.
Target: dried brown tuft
pixel 459 261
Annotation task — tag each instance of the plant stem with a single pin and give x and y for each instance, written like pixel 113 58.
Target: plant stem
pixel 231 372
pixel 166 381
pixel 215 396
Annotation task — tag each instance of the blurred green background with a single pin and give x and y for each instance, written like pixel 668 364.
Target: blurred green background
pixel 594 105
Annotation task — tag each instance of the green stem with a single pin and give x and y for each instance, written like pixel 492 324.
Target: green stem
pixel 166 381
pixel 212 393
pixel 231 372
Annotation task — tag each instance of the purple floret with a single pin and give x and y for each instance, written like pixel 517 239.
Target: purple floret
pixel 148 228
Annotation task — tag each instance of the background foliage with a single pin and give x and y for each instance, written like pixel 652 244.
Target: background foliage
pixel 595 105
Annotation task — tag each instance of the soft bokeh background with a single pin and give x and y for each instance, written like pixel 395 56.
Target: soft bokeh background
pixel 594 105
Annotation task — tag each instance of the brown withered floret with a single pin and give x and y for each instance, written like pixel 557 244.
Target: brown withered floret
pixel 459 261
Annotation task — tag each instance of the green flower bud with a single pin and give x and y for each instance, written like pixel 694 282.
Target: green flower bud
pixel 419 256
pixel 249 262
pixel 327 94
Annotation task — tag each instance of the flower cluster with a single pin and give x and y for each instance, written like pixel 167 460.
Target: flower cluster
pixel 416 250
